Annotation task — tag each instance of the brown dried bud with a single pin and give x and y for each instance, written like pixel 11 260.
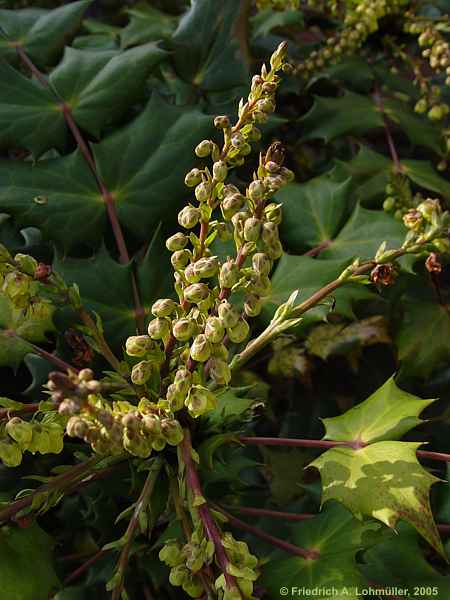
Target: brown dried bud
pixel 383 274
pixel 433 264
pixel 42 272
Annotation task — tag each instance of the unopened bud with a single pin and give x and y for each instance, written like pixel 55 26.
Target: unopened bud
pixel 203 191
pixel 159 329
pixel 229 274
pixel 184 329
pixel 196 292
pixel 239 332
pixel 193 178
pixel 206 267
pixel 26 263
pixel 203 149
pixel 219 371
pixel 172 431
pixel 231 205
pixel 256 190
pixel 180 258
pixel 252 229
pixel 138 345
pixel 273 213
pixel 141 372
pixel 200 349
pixel 176 242
pixel 188 217
pixel 214 330
pixel 163 307
pixel 220 170
pixel 222 122
pixel 228 314
pixel 252 305
pixel 200 401
pixel 433 264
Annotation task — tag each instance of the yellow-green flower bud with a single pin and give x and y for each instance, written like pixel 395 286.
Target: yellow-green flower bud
pixel 279 56
pixel 5 256
pixel 137 445
pixel 237 140
pixel 269 232
pixel 183 378
pixel 231 205
pixel 76 427
pixel 188 217
pixel 178 575
pixel 138 345
pixel 10 453
pixel 421 106
pixel 261 263
pixel 220 351
pixel 429 207
pixel 184 329
pixel 180 258
pixel 203 191
pixel 40 442
pixel 222 122
pixel 26 263
pixel 200 349
pixel 274 249
pixel 16 284
pixel 171 554
pixel 252 229
pixel 177 241
pixel 196 292
pixel 152 424
pixel 389 204
pixel 200 401
pixel 204 149
pixel 229 274
pixel 239 332
pixel 21 431
pixel 172 431
pixel 214 330
pixel 260 285
pixel 228 314
pixel 219 371
pixel 193 177
pixel 175 396
pixel 436 113
pixel 206 267
pixel 220 170
pixel 163 307
pixel 265 105
pixel 272 212
pixel 256 190
pixel 252 305
pixel 141 372
pixel 189 274
pixel 159 329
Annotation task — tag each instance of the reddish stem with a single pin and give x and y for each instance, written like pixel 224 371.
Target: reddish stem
pixel 205 515
pixel 286 546
pixel 390 142
pixel 356 444
pixel 28 408
pixel 318 249
pixel 85 566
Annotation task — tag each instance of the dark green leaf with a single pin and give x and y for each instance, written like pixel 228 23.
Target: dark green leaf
pixel 147 24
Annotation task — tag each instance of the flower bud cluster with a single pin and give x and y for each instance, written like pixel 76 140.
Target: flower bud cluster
pixel 359 22
pixel 18 436
pixel 20 278
pixel 428 222
pixel 186 561
pixel 243 566
pixel 399 197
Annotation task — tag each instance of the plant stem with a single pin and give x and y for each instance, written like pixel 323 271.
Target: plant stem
pixel 287 516
pixel 204 513
pixel 59 482
pixel 99 338
pixel 85 566
pixel 59 363
pixel 277 542
pixel 133 525
pixel 108 198
pixel 14 412
pixel 389 139
pixel 326 444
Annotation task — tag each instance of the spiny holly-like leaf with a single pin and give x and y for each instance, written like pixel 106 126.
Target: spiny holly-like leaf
pixel 389 564
pixel 329 118
pixel 26 566
pixel 419 130
pixel 29 114
pixel 387 414
pixel 424 175
pixel 308 275
pixel 333 338
pixel 369 172
pixel 382 479
pixel 423 337
pixel 313 212
pixel 100 86
pixel 31 324
pixel 338 536
pixel 363 233
pixel 147 24
pixel 143 165
pixel 113 300
pixel 60 196
pixel 41 33
pixel 207 52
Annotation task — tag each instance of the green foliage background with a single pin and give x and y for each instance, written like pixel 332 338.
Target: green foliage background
pixel 142 82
